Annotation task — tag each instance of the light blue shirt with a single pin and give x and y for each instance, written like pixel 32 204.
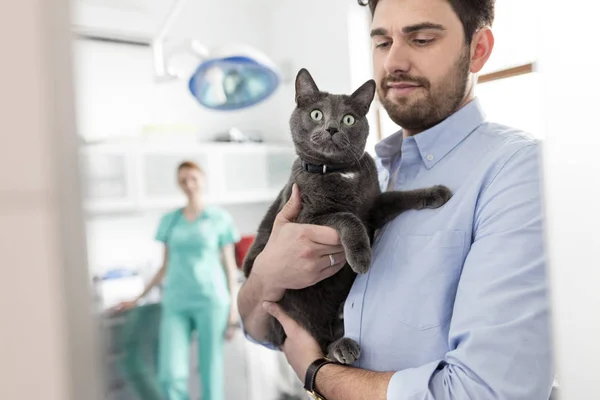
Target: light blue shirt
pixel 455 300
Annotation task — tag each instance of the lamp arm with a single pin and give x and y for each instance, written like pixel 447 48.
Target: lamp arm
pixel 160 63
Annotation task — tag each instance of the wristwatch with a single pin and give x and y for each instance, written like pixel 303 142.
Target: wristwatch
pixel 311 374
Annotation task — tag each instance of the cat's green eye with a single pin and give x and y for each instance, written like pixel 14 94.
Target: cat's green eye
pixel 349 119
pixel 316 115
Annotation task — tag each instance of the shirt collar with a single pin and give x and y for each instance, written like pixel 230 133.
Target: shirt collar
pixel 436 142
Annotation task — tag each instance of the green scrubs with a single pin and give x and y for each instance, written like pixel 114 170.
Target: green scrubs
pixel 195 298
pixel 139 338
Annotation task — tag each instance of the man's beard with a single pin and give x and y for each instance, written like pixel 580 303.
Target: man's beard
pixel 439 102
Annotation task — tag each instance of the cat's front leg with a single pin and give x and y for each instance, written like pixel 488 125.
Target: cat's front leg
pixel 340 348
pixel 354 238
pixel 344 350
pixel 389 205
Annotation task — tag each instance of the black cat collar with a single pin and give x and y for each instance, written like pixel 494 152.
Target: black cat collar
pixel 322 168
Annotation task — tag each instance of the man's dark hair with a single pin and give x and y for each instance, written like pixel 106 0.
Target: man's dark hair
pixel 473 14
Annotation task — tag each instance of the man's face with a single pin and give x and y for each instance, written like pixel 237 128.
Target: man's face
pixel 421 61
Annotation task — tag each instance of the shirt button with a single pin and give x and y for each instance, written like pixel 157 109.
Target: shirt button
pixel 352 306
pixel 430 157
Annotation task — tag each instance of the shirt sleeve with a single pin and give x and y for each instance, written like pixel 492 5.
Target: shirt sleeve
pixel 268 345
pixel 228 232
pixel 165 226
pixel 499 334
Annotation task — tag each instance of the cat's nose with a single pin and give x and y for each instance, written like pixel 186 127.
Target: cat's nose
pixel 332 130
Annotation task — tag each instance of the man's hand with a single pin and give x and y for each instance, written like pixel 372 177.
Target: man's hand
pixel 333 381
pixel 297 255
pixel 300 348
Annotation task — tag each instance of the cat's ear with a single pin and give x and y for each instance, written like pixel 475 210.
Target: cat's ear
pixel 305 85
pixel 363 96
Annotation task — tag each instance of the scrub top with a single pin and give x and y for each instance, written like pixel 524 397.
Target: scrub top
pixel 195 277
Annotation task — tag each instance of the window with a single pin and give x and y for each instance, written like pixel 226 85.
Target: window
pixel 514 101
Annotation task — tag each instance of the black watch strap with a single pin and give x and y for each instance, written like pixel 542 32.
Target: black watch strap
pixel 311 374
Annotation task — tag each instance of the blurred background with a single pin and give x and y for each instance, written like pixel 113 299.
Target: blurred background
pixel 102 99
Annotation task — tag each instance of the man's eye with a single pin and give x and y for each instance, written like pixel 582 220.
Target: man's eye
pixel 422 42
pixel 383 45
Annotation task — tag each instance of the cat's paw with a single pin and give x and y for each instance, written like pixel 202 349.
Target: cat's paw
pixel 345 351
pixel 359 259
pixel 437 196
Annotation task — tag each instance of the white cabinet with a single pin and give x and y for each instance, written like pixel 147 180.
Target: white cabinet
pixel 107 177
pixel 144 176
pixel 157 183
pixel 253 172
pixel 279 165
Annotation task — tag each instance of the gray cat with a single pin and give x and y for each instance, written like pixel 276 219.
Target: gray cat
pixel 338 184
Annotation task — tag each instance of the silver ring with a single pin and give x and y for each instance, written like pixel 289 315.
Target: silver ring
pixel 331 260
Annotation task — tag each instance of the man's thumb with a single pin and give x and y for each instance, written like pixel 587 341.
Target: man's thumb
pixel 275 310
pixel 291 209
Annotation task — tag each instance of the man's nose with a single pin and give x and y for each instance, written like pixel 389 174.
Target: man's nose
pixel 397 59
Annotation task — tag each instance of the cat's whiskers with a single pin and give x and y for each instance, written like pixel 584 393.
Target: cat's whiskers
pixel 344 142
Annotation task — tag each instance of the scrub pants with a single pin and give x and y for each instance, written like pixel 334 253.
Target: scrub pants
pixel 176 329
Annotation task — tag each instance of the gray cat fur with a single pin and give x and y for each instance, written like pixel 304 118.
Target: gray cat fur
pixel 349 201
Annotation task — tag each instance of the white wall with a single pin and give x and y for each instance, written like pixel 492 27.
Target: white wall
pixel 331 40
pixel 515 27
pixel 117 95
pixel 571 84
pixel 311 34
pixel 514 102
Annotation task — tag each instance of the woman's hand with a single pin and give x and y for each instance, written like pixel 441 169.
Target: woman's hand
pixel 232 325
pixel 124 306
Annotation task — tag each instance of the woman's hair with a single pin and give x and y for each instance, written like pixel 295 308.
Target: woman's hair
pixel 190 165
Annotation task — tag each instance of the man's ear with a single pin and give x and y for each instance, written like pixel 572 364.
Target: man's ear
pixel 481 49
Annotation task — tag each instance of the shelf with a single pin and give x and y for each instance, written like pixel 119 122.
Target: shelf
pixel 142 176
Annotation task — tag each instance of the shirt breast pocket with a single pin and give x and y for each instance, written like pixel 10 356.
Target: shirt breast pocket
pixel 429 268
